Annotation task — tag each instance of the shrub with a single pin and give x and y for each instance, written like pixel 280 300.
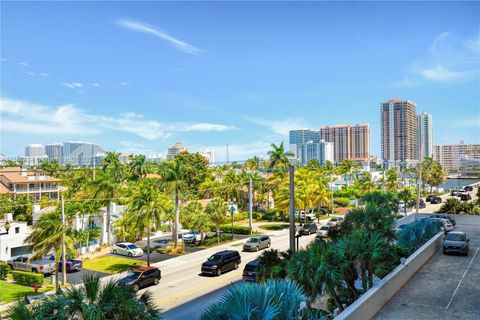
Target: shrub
pixel 227 228
pixel 213 241
pixel 240 216
pixel 342 202
pixel 28 278
pixel 172 250
pixel 417 233
pixel 4 270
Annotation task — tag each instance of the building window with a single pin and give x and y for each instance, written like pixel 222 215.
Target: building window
pixel 17 229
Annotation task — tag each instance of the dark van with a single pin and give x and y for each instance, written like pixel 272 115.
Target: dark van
pixel 221 262
pixel 251 270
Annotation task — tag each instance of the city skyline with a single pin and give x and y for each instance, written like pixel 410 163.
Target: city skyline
pixel 150 79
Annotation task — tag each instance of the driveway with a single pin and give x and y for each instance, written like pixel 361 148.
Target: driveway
pixel 76 276
pixel 447 287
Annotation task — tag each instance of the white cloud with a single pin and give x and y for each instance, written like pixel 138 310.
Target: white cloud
pixel 46 75
pixel 281 127
pixel 95 84
pixel 24 64
pixel 440 73
pixel 72 85
pixel 124 83
pixel 437 40
pixel 149 29
pixel 22 116
pixel 30 74
pixel 238 152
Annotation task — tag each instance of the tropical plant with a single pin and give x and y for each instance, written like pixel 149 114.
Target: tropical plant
pixel 433 173
pixel 408 197
pixel 217 210
pixel 273 265
pixel 138 166
pixel 349 169
pixel 451 205
pixel 390 182
pixel 385 199
pixel 194 217
pixel 112 164
pixel 365 183
pixel 278 156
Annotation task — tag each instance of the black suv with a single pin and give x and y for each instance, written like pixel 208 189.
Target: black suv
pixel 308 228
pixel 251 270
pixel 436 200
pixel 430 197
pixel 220 262
pixel 468 188
pixel 142 277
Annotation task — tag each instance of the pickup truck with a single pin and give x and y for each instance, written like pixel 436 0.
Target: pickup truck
pixel 72 265
pixel 45 266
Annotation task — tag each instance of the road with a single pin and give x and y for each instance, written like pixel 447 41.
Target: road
pixel 181 280
pixel 431 208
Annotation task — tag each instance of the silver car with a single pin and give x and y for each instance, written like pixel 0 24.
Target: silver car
pixel 23 263
pixel 127 249
pixel 256 243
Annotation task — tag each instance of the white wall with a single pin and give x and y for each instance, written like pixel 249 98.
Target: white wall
pixel 13 239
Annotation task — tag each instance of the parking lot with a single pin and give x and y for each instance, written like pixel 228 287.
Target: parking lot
pixel 447 287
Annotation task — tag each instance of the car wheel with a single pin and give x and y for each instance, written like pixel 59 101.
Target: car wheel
pixel 219 272
pixel 268 245
pixel 130 254
pixel 114 251
pixel 35 270
pixel 156 281
pixel 136 287
pixel 256 248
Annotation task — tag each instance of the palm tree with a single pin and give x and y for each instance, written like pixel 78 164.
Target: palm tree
pixel 92 300
pixel 138 166
pixel 407 196
pixel 47 235
pixel 217 210
pixel 451 205
pixel 349 169
pixel 365 183
pixel 391 182
pixel 173 173
pixel 275 299
pixel 278 155
pixel 253 163
pixel 194 217
pixel 112 163
pixel 273 264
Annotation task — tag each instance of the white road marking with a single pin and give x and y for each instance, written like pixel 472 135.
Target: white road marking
pixel 464 274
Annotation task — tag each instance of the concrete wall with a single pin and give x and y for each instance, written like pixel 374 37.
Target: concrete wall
pixel 369 304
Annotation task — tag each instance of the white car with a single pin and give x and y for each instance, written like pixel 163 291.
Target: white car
pixel 127 249
pixel 323 231
pixel 447 225
pixel 308 216
pixel 335 220
pixel 191 237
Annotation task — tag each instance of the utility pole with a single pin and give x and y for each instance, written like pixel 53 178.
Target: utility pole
pixel 331 187
pixel 64 260
pixel 250 203
pixel 291 170
pixel 227 154
pixel 419 180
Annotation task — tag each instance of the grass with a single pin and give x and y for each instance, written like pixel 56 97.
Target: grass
pixel 11 291
pixel 111 264
pixel 274 226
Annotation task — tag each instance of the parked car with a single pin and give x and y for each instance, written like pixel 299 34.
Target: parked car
pixel 72 265
pixel 191 237
pixel 335 220
pixel 308 216
pixel 430 197
pixel 220 262
pixel 468 188
pixel 142 277
pixel 465 196
pixel 324 230
pixel 127 249
pixel 436 200
pixel 447 225
pixel 308 228
pixel 421 204
pixel 445 216
pixel 251 270
pixel 402 206
pixel 45 266
pixel 455 192
pixel 456 242
pixel 256 243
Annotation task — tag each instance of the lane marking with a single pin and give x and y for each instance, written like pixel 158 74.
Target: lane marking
pixel 464 274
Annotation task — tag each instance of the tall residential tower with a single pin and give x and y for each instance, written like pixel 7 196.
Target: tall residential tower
pixel 350 141
pixel 425 135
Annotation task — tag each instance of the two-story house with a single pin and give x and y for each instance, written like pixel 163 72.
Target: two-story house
pixel 17 181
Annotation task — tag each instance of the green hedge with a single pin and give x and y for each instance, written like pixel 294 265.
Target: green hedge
pixel 214 240
pixel 274 215
pixel 4 270
pixel 227 228
pixel 28 278
pixel 342 202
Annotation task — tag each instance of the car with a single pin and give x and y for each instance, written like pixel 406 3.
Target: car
pixel 308 228
pixel 142 277
pixel 308 216
pixel 256 243
pixel 421 204
pixel 71 265
pixel 335 220
pixel 465 196
pixel 23 263
pixel 430 197
pixel 191 237
pixel 468 188
pixel 402 206
pixel 221 262
pixel 447 225
pixel 455 192
pixel 127 249
pixel 251 270
pixel 324 230
pixel 456 242
pixel 445 216
pixel 436 200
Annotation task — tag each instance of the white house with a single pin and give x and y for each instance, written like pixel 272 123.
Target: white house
pixel 13 242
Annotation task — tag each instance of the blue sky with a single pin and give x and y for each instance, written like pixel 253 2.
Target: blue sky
pixel 139 76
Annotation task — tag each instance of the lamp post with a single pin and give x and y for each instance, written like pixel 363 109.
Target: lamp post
pixel 7 227
pixel 291 171
pixel 232 209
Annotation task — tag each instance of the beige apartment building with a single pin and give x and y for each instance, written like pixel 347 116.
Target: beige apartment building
pixel 350 141
pixel 399 133
pixel 17 181
pixel 176 149
pixel 449 155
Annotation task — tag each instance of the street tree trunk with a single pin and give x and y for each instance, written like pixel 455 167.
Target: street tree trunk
pixel 108 226
pixel 177 217
pixel 148 242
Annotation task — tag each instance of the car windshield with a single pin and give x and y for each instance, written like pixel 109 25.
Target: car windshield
pixel 251 267
pixel 456 237
pixel 253 240
pixel 134 274
pixel 132 246
pixel 307 225
pixel 324 228
pixel 215 257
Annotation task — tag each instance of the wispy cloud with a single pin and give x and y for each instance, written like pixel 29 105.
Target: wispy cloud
pixel 72 85
pixel 46 75
pixel 3 60
pixel 281 127
pixel 30 74
pixel 238 152
pixel 95 84
pixel 24 64
pixel 25 117
pixel 149 29
pixel 441 74
pixel 124 83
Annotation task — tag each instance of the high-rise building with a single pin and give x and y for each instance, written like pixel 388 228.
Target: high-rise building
pixel 54 151
pixel 209 155
pixel 350 141
pixel 399 131
pixel 79 153
pixel 34 150
pixel 449 155
pixel 425 135
pixel 176 149
pixel 299 137
pixel 321 151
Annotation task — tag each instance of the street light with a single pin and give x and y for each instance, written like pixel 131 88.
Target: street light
pixel 7 227
pixel 232 209
pixel 291 170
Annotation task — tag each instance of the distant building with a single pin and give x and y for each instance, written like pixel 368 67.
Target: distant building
pixel 17 181
pixel 470 166
pixel 2 160
pixel 350 141
pixel 34 150
pixel 98 157
pixel 425 135
pixel 321 151
pixel 209 155
pixel 54 152
pixel 176 149
pixel 80 153
pixel 155 158
pixel 32 161
pixel 449 155
pixel 399 133
pixel 13 243
pixel 302 136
